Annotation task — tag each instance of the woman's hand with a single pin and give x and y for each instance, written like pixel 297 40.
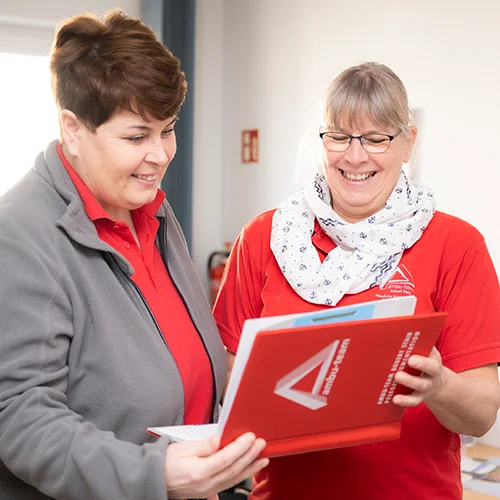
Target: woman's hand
pixel 465 402
pixel 198 469
pixel 425 385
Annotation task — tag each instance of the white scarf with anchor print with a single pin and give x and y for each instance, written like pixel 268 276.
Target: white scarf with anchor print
pixel 367 252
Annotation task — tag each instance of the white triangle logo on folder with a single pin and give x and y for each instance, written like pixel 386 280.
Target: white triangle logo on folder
pixel 312 400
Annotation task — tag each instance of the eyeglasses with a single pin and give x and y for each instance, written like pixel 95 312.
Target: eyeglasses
pixel 338 142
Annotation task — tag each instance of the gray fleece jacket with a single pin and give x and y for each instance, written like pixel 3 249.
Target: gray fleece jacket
pixel 84 369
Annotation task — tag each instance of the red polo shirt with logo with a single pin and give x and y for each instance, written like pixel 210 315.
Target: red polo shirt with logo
pixel 153 280
pixel 448 269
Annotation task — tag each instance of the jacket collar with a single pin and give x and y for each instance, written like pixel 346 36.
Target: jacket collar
pixel 75 221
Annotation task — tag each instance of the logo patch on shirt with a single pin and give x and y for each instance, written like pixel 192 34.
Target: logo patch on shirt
pixel 401 283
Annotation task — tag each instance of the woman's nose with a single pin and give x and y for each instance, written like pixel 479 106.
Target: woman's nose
pixel 356 153
pixel 157 154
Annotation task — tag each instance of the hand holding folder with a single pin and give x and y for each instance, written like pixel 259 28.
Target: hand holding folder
pixel 315 381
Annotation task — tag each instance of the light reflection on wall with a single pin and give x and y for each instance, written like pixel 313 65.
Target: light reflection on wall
pixel 28 114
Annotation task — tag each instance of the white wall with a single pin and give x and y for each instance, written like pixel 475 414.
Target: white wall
pixel 26 26
pixel 58 9
pixel 26 32
pixel 208 154
pixel 269 62
pixel 278 58
pixel 492 437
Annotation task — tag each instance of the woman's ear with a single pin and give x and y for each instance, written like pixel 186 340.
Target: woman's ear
pixel 71 130
pixel 410 143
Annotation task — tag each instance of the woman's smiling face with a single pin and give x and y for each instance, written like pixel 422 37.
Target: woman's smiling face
pixel 124 160
pixel 361 182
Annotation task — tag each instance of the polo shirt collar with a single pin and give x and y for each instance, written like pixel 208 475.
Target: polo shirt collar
pixel 320 240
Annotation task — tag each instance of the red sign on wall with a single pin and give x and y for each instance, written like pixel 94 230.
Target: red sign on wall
pixel 250 146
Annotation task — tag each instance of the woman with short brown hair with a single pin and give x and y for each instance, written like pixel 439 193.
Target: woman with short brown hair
pixel 105 327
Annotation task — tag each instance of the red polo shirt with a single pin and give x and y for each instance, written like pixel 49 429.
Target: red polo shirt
pixel 153 279
pixel 448 269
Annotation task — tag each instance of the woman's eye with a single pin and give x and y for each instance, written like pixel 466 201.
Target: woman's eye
pixel 167 132
pixel 376 139
pixel 136 139
pixel 339 138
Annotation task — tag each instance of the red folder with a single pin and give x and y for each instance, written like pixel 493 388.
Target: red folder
pixel 328 386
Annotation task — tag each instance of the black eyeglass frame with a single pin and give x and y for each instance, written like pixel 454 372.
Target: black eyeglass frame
pixel 361 140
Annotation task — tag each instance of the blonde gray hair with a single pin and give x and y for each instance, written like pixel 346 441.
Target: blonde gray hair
pixel 369 91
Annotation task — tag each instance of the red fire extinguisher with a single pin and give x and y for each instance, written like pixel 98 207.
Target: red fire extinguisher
pixel 216 263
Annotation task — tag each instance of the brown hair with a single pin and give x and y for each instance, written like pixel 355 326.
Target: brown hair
pixel 100 67
pixel 369 91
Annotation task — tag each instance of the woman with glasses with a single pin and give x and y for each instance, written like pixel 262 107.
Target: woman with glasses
pixel 360 230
